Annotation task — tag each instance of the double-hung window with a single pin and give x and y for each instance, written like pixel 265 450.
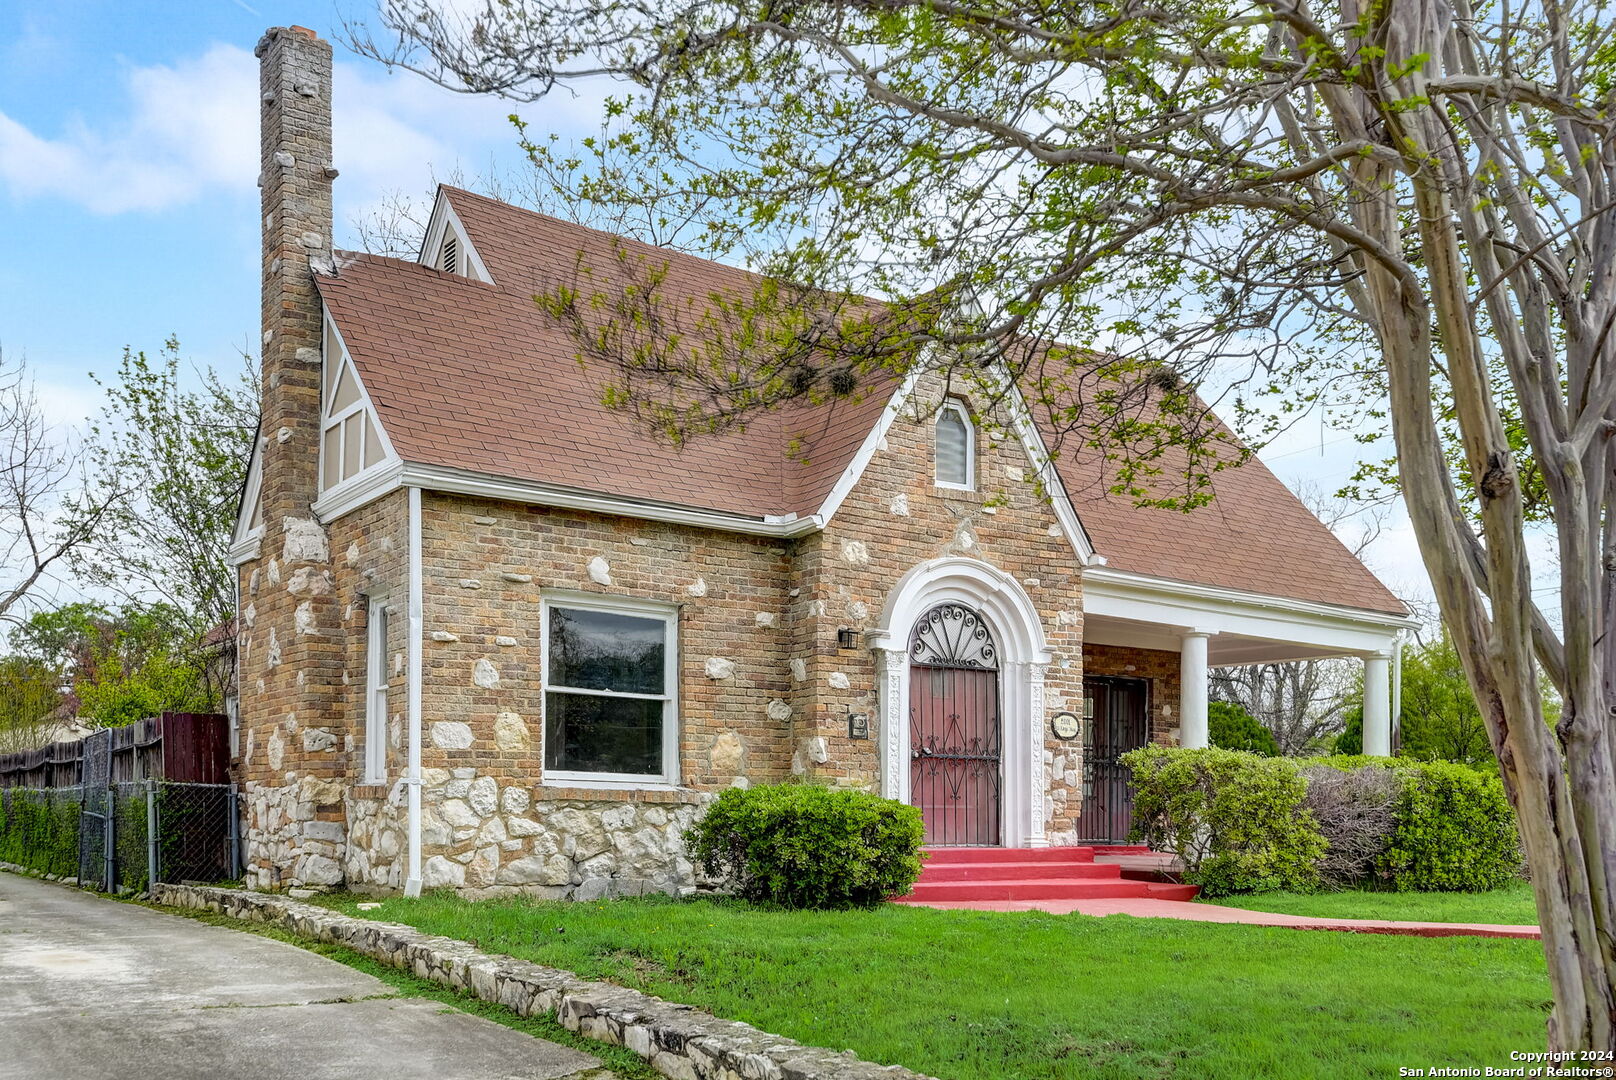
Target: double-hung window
pixel 375 748
pixel 610 691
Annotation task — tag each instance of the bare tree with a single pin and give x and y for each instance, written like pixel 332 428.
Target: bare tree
pixel 1304 702
pixel 1405 203
pixel 40 473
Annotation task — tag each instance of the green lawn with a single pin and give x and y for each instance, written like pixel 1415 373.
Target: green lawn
pixel 974 995
pixel 1511 905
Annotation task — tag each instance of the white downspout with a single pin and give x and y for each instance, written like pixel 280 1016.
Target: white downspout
pixel 412 781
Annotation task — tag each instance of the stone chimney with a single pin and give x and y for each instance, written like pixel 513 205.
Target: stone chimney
pixel 290 670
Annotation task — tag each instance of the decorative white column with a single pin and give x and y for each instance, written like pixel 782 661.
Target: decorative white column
pixel 1192 689
pixel 892 664
pixel 1038 774
pixel 1377 709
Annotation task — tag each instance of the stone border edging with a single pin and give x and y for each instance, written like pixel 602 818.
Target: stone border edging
pixel 678 1041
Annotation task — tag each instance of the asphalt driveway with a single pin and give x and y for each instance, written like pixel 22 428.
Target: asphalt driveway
pixel 91 988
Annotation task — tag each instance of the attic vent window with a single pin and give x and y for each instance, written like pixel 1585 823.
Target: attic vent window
pixel 449 256
pixel 955 449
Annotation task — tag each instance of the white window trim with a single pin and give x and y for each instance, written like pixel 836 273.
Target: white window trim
pixel 970 447
pixel 377 696
pixel 668 614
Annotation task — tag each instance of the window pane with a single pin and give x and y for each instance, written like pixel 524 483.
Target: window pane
pixel 602 734
pixel 953 448
pixel 603 650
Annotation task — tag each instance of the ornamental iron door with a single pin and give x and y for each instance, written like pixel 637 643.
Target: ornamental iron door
pixel 1116 724
pixel 955 742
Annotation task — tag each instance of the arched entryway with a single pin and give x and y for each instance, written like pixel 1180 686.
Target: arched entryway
pixel 916 701
pixel 956 738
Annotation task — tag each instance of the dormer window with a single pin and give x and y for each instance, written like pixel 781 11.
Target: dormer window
pixel 956 448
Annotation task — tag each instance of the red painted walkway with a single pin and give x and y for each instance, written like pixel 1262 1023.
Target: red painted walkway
pixel 1174 909
pixel 1121 880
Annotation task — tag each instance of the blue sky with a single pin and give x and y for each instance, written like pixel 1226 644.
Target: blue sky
pixel 128 161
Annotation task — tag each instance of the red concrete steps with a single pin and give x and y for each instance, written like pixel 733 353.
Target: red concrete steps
pixel 967 875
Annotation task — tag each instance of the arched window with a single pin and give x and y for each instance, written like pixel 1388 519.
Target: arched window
pixel 956 450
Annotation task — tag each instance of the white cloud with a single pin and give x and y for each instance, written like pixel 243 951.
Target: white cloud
pixel 191 128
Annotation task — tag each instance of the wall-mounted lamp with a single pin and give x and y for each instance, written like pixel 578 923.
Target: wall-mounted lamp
pixel 847 638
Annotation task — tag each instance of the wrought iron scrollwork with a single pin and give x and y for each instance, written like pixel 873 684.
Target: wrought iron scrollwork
pixel 951 635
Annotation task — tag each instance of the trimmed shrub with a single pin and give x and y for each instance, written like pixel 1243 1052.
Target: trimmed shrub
pixel 1233 728
pixel 803 846
pixel 1455 831
pixel 1235 819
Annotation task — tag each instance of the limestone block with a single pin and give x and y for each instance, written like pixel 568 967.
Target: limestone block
pixel 331 831
pixel 304 618
pixel 439 872
pixel 273 657
pixel 309 581
pixel 717 667
pixel 537 870
pixel 484 673
pixel 520 826
pixel 305 541
pixel 318 740
pixel 514 800
pixel 492 832
pixel 900 505
pixel 799 669
pixel 697 587
pixel 510 732
pixel 855 553
pixel 318 792
pixel 435 832
pixel 276 749
pixel 444 635
pixel 319 870
pixel 458 814
pixel 484 796
pixel 764 618
pixel 600 572
pixel 484 866
pixel 451 735
pixel 727 756
pixel 505 641
pixel 778 710
pixel 838 680
pixel 817 750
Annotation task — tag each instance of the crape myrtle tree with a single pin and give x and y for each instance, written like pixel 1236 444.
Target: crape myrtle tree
pixel 1410 201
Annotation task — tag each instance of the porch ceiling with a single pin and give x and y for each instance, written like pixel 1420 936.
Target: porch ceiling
pixel 1241 628
pixel 1223 650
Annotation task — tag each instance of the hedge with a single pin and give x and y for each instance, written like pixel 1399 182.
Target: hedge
pixel 1243 823
pixel 40 829
pixel 804 846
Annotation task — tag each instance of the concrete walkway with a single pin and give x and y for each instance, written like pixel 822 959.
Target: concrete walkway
pixel 91 988
pixel 1178 909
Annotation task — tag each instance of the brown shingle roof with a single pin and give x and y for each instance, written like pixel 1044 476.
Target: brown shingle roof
pixel 477 377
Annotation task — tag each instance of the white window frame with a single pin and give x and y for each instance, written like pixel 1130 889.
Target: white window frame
pixel 958 408
pixel 668 615
pixel 377 687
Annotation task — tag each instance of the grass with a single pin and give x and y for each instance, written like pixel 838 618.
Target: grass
pixel 623 1064
pixel 989 996
pixel 1511 905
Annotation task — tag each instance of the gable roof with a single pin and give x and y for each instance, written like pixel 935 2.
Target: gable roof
pixel 476 376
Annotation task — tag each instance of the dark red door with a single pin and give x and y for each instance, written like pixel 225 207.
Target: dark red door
pixel 954 754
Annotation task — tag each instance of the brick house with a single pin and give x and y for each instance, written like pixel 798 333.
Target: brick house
pixel 495 637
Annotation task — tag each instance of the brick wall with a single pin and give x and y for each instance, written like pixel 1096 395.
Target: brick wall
pixel 1160 667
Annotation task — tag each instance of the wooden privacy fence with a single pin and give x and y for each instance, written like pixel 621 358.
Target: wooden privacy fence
pixel 126 807
pixel 191 748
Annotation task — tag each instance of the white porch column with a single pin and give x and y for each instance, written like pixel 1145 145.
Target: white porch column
pixel 1192 689
pixel 1377 709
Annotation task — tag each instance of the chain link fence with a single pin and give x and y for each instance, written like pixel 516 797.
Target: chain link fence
pixel 122 836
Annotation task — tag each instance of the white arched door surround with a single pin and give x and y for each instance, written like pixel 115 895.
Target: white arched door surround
pixel 1012 618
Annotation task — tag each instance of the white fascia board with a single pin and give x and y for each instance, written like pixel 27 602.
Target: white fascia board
pixel 358 490
pixel 250 493
pixel 873 442
pixel 462 482
pixel 444 217
pixel 1213 609
pixel 246 549
pixel 1044 464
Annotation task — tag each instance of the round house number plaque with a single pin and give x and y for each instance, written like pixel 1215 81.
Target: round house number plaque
pixel 1065 725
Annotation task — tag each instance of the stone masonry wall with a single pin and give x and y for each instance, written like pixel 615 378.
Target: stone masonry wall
pixel 490 823
pixel 895 518
pixel 291 647
pixel 1158 666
